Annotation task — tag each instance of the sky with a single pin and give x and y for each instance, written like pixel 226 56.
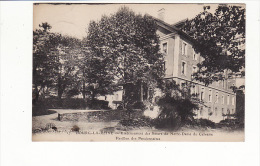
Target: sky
pixel 73 19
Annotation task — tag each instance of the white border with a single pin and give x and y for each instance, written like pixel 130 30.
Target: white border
pixel 18 149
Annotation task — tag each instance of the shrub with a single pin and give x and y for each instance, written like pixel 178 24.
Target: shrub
pixel 175 111
pixel 51 126
pixel 204 123
pixel 231 123
pixel 73 103
pixel 37 130
pixel 41 109
pixel 67 103
pixel 98 104
pixel 176 105
pixel 75 128
pixel 139 105
pixel 167 123
pixel 139 122
pixel 72 92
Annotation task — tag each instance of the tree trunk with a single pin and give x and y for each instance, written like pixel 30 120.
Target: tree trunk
pixel 84 91
pixel 93 95
pixel 84 86
pixel 124 96
pixel 35 95
pixel 61 88
pixel 141 92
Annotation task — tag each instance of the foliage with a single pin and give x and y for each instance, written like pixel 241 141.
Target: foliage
pixel 240 102
pixel 100 81
pixel 240 106
pixel 75 128
pixel 173 123
pixel 124 49
pixel 68 80
pixel 42 108
pixel 98 104
pixel 64 103
pixel 204 123
pixel 220 40
pixel 139 122
pixel 231 124
pixel 176 105
pixel 44 59
pixel 54 62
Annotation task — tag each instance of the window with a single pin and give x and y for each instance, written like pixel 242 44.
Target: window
pixel 228 100
pixel 201 111
pixel 202 94
pixel 223 111
pixel 209 111
pixel 223 83
pixel 194 70
pixel 217 83
pixel 195 56
pixel 216 97
pixel 195 89
pixel 233 100
pixel 216 111
pixel 164 47
pixel 183 68
pixel 223 99
pixel 183 85
pixel 210 96
pixel 228 84
pixel 184 48
pixel 164 65
pixel 192 90
pixel 228 111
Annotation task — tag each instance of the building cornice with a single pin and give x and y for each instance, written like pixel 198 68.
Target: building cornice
pixel 211 87
pixel 173 29
pixel 171 35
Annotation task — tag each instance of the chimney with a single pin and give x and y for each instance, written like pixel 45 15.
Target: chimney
pixel 161 14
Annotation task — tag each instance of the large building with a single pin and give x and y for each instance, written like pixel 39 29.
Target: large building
pixel 180 63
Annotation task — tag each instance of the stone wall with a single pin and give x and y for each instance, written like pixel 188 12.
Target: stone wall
pixel 100 116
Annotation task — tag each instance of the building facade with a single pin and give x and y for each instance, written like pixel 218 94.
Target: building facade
pixel 180 63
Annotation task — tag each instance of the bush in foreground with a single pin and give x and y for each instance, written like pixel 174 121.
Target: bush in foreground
pixel 202 123
pixel 231 124
pixel 138 122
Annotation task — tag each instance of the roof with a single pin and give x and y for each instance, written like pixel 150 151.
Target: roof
pixel 180 23
pixel 173 28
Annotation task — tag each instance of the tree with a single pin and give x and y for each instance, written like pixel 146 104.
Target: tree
pixel 68 80
pixel 45 65
pixel 97 76
pixel 220 40
pixel 177 105
pixel 240 103
pixel 54 62
pixel 125 51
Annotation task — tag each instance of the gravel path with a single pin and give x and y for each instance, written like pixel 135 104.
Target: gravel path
pixel 43 120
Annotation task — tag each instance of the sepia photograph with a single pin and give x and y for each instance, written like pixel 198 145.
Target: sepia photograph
pixel 138 72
